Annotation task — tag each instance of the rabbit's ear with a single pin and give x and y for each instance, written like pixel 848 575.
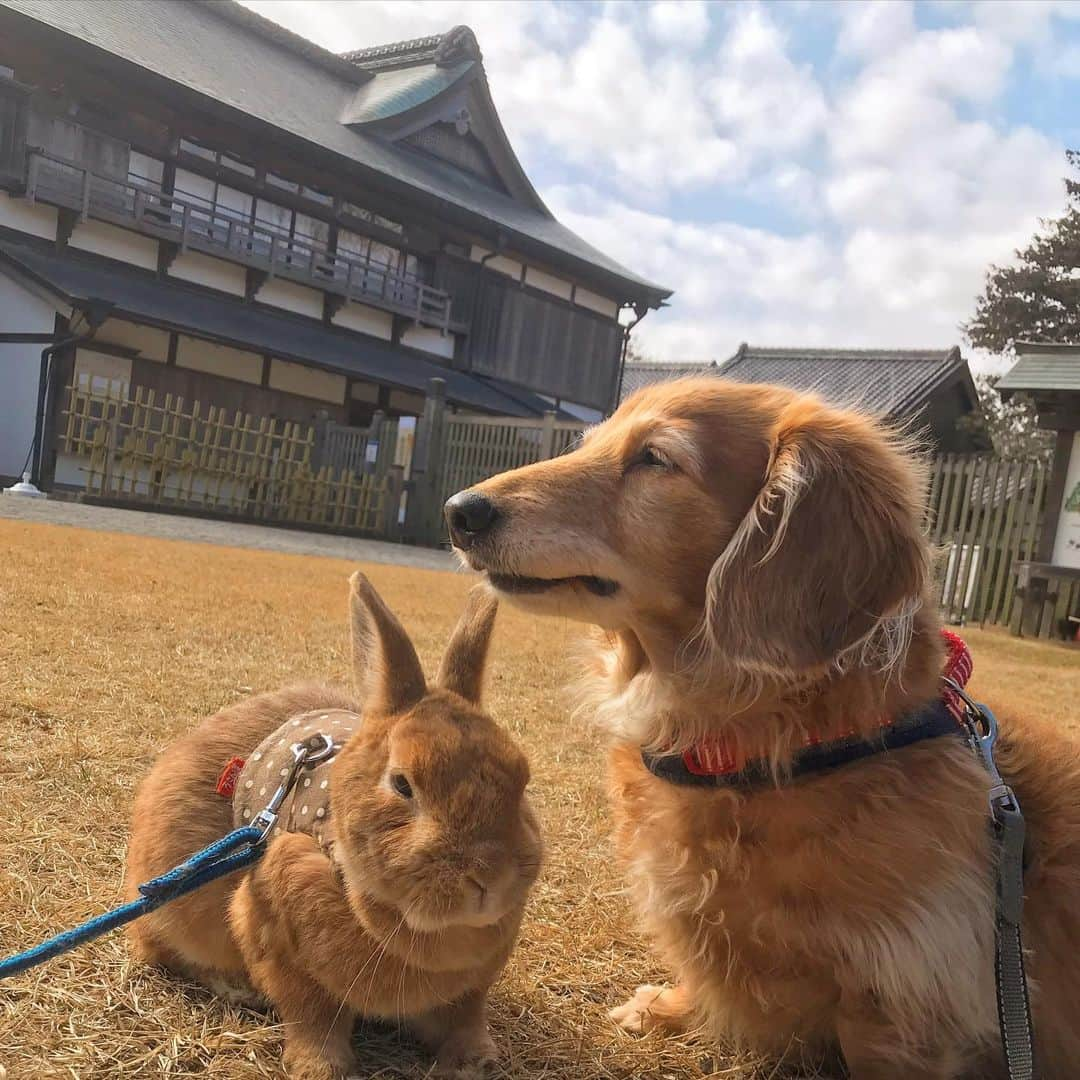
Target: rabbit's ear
pixel 386 671
pixel 462 668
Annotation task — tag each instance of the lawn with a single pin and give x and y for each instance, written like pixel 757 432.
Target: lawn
pixel 110 645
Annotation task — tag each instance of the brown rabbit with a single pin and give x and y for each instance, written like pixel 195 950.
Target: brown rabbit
pixel 402 899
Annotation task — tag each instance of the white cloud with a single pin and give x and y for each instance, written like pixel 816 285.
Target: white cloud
pixel 693 165
pixel 874 28
pixel 679 22
pixel 770 104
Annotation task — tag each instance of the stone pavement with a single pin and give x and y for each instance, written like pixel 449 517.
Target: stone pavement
pixel 225 533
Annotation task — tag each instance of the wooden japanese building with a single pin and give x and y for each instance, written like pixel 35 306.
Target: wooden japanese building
pixel 244 219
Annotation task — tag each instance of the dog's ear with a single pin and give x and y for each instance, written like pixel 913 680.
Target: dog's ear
pixel 463 663
pixel 832 544
pixel 386 670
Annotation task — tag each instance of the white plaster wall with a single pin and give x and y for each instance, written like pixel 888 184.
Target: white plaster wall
pixel 308 382
pixel 70 470
pixel 429 340
pixel 205 270
pixel 291 297
pixel 510 267
pixel 20 365
pixel 27 217
pixel 115 243
pixel 365 320
pixel 102 373
pixel 151 344
pixel 208 356
pixel 540 279
pixel 363 391
pixel 595 302
pixel 407 401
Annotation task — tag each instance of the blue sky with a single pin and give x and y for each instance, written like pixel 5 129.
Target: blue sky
pixel 801 173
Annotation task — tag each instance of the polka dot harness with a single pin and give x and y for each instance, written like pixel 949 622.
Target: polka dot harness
pixel 306 809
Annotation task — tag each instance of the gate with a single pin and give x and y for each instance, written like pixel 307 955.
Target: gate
pixel 984 514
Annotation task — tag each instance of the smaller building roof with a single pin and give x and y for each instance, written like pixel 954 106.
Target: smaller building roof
pixel 888 382
pixel 1042 368
pixel 641 373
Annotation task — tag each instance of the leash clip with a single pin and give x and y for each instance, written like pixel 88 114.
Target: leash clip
pixel 981 728
pixel 305 755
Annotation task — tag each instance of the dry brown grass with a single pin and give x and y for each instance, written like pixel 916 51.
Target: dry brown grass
pixel 110 645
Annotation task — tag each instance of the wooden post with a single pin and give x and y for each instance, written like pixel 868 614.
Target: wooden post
pixel 32 177
pixel 375 433
pixel 395 483
pixel 318 450
pixel 110 450
pixel 547 436
pixel 84 213
pixel 424 515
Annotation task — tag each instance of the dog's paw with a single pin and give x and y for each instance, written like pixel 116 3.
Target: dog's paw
pixel 645 1011
pixel 466 1056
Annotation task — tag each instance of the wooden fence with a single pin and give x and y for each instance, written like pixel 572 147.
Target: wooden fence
pixel 158 450
pixel 984 514
pixel 453 452
pixel 476 447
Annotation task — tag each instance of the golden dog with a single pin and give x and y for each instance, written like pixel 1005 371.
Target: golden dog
pixel 756 561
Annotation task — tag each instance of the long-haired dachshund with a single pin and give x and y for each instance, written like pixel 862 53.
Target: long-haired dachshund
pixel 756 562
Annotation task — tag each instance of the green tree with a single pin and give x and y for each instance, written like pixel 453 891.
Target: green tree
pixel 1037 298
pixel 1010 427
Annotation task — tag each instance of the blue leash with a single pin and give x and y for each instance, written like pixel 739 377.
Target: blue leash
pixel 239 849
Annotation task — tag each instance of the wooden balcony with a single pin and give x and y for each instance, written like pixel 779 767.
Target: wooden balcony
pixel 193 224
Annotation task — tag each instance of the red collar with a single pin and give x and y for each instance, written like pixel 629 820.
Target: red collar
pixel 719 756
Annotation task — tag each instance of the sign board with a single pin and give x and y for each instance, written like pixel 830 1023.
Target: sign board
pixel 1067 540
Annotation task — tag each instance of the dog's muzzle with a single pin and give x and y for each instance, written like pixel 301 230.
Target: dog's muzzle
pixel 469 517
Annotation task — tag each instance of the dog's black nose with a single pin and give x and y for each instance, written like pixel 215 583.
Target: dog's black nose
pixel 468 515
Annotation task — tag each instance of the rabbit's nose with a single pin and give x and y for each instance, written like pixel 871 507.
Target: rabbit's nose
pixel 469 515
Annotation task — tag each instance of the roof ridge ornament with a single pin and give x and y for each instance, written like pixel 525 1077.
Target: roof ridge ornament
pixel 457 45
pixel 444 50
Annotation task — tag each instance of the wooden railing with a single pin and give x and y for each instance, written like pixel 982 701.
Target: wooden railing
pixel 196 224
pixel 156 450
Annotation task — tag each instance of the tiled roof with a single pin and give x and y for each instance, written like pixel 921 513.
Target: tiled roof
pixel 77 278
pixel 888 382
pixel 639 373
pixel 1043 367
pixel 245 64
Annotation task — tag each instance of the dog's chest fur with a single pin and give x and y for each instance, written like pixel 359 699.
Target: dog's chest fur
pixel 869 882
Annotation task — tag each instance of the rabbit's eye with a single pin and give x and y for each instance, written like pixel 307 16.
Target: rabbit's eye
pixel 401 785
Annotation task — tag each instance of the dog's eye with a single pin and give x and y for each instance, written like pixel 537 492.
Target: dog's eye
pixel 650 459
pixel 401 785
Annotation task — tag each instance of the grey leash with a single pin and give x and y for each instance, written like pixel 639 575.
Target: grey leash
pixel 1007 823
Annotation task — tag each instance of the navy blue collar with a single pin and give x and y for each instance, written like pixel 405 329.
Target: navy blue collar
pixel 928 723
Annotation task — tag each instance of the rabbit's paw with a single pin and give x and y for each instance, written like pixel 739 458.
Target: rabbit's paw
pixel 314 1067
pixel 466 1054
pixel 651 1008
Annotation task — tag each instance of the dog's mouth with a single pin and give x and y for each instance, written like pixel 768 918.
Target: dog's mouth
pixel 515 585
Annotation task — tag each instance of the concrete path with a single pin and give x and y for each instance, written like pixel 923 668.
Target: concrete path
pixel 225 533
